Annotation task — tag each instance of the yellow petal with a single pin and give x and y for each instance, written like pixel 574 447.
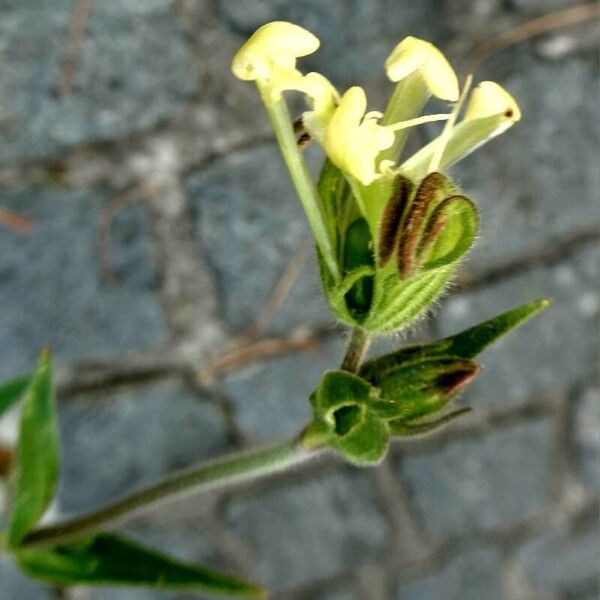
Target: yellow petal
pixel 489 99
pixel 413 54
pixel 274 46
pixel 353 142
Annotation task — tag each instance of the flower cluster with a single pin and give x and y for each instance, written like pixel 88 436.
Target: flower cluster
pixel 369 205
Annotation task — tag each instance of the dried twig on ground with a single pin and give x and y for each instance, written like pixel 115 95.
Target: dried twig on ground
pixel 15 221
pixel 533 28
pixel 79 19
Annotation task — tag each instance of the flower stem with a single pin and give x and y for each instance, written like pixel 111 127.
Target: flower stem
pixel 208 475
pixel 357 348
pixel 282 125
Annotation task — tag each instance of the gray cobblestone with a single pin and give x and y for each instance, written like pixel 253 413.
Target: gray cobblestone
pixel 140 435
pixel 524 198
pixel 331 520
pixel 563 562
pixel 587 437
pixel 251 223
pixel 52 292
pixel 549 354
pixel 134 72
pixel 473 485
pixel 270 398
pixel 473 575
pixel 16 586
pixel 153 78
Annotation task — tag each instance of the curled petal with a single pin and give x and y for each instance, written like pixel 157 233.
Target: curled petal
pixel 272 48
pixel 353 141
pixel 413 54
pixel 489 99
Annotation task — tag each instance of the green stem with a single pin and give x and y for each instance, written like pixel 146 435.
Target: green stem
pixel 282 125
pixel 208 475
pixel 357 348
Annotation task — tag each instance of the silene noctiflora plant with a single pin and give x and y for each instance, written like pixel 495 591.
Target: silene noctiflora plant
pixel 390 233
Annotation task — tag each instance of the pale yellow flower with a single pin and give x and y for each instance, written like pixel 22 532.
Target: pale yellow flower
pixel 272 50
pixel 353 139
pixel 413 54
pixel 489 99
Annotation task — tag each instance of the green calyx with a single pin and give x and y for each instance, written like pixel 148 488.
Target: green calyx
pixel 403 393
pixel 397 244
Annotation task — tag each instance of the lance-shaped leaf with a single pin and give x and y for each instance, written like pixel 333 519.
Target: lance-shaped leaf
pixel 108 559
pixel 12 391
pixel 466 344
pixel 37 455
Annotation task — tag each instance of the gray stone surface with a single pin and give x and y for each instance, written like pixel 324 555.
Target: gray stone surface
pixel 251 224
pixel 134 72
pixel 310 528
pixel 564 562
pixel 525 197
pixel 117 440
pixel 473 485
pixel 472 575
pixel 153 85
pixel 546 356
pixel 16 586
pixel 587 437
pixel 270 397
pixel 51 291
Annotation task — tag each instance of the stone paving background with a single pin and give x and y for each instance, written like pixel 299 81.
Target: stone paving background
pixel 162 219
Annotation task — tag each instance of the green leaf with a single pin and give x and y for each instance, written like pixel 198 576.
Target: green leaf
pixel 466 344
pixel 112 560
pixel 12 391
pixel 37 455
pixel 471 342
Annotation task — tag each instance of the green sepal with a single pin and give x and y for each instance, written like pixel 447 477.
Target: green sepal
pixel 383 296
pixel 416 389
pixel 36 457
pixel 452 228
pixel 344 421
pixel 108 559
pixel 12 390
pixel 409 428
pixel 466 344
pixel 397 302
pixel 466 137
pixel 367 443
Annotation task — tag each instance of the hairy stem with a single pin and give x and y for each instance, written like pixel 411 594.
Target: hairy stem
pixel 307 192
pixel 357 348
pixel 208 475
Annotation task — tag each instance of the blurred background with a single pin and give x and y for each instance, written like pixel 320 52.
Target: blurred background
pixel 146 221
